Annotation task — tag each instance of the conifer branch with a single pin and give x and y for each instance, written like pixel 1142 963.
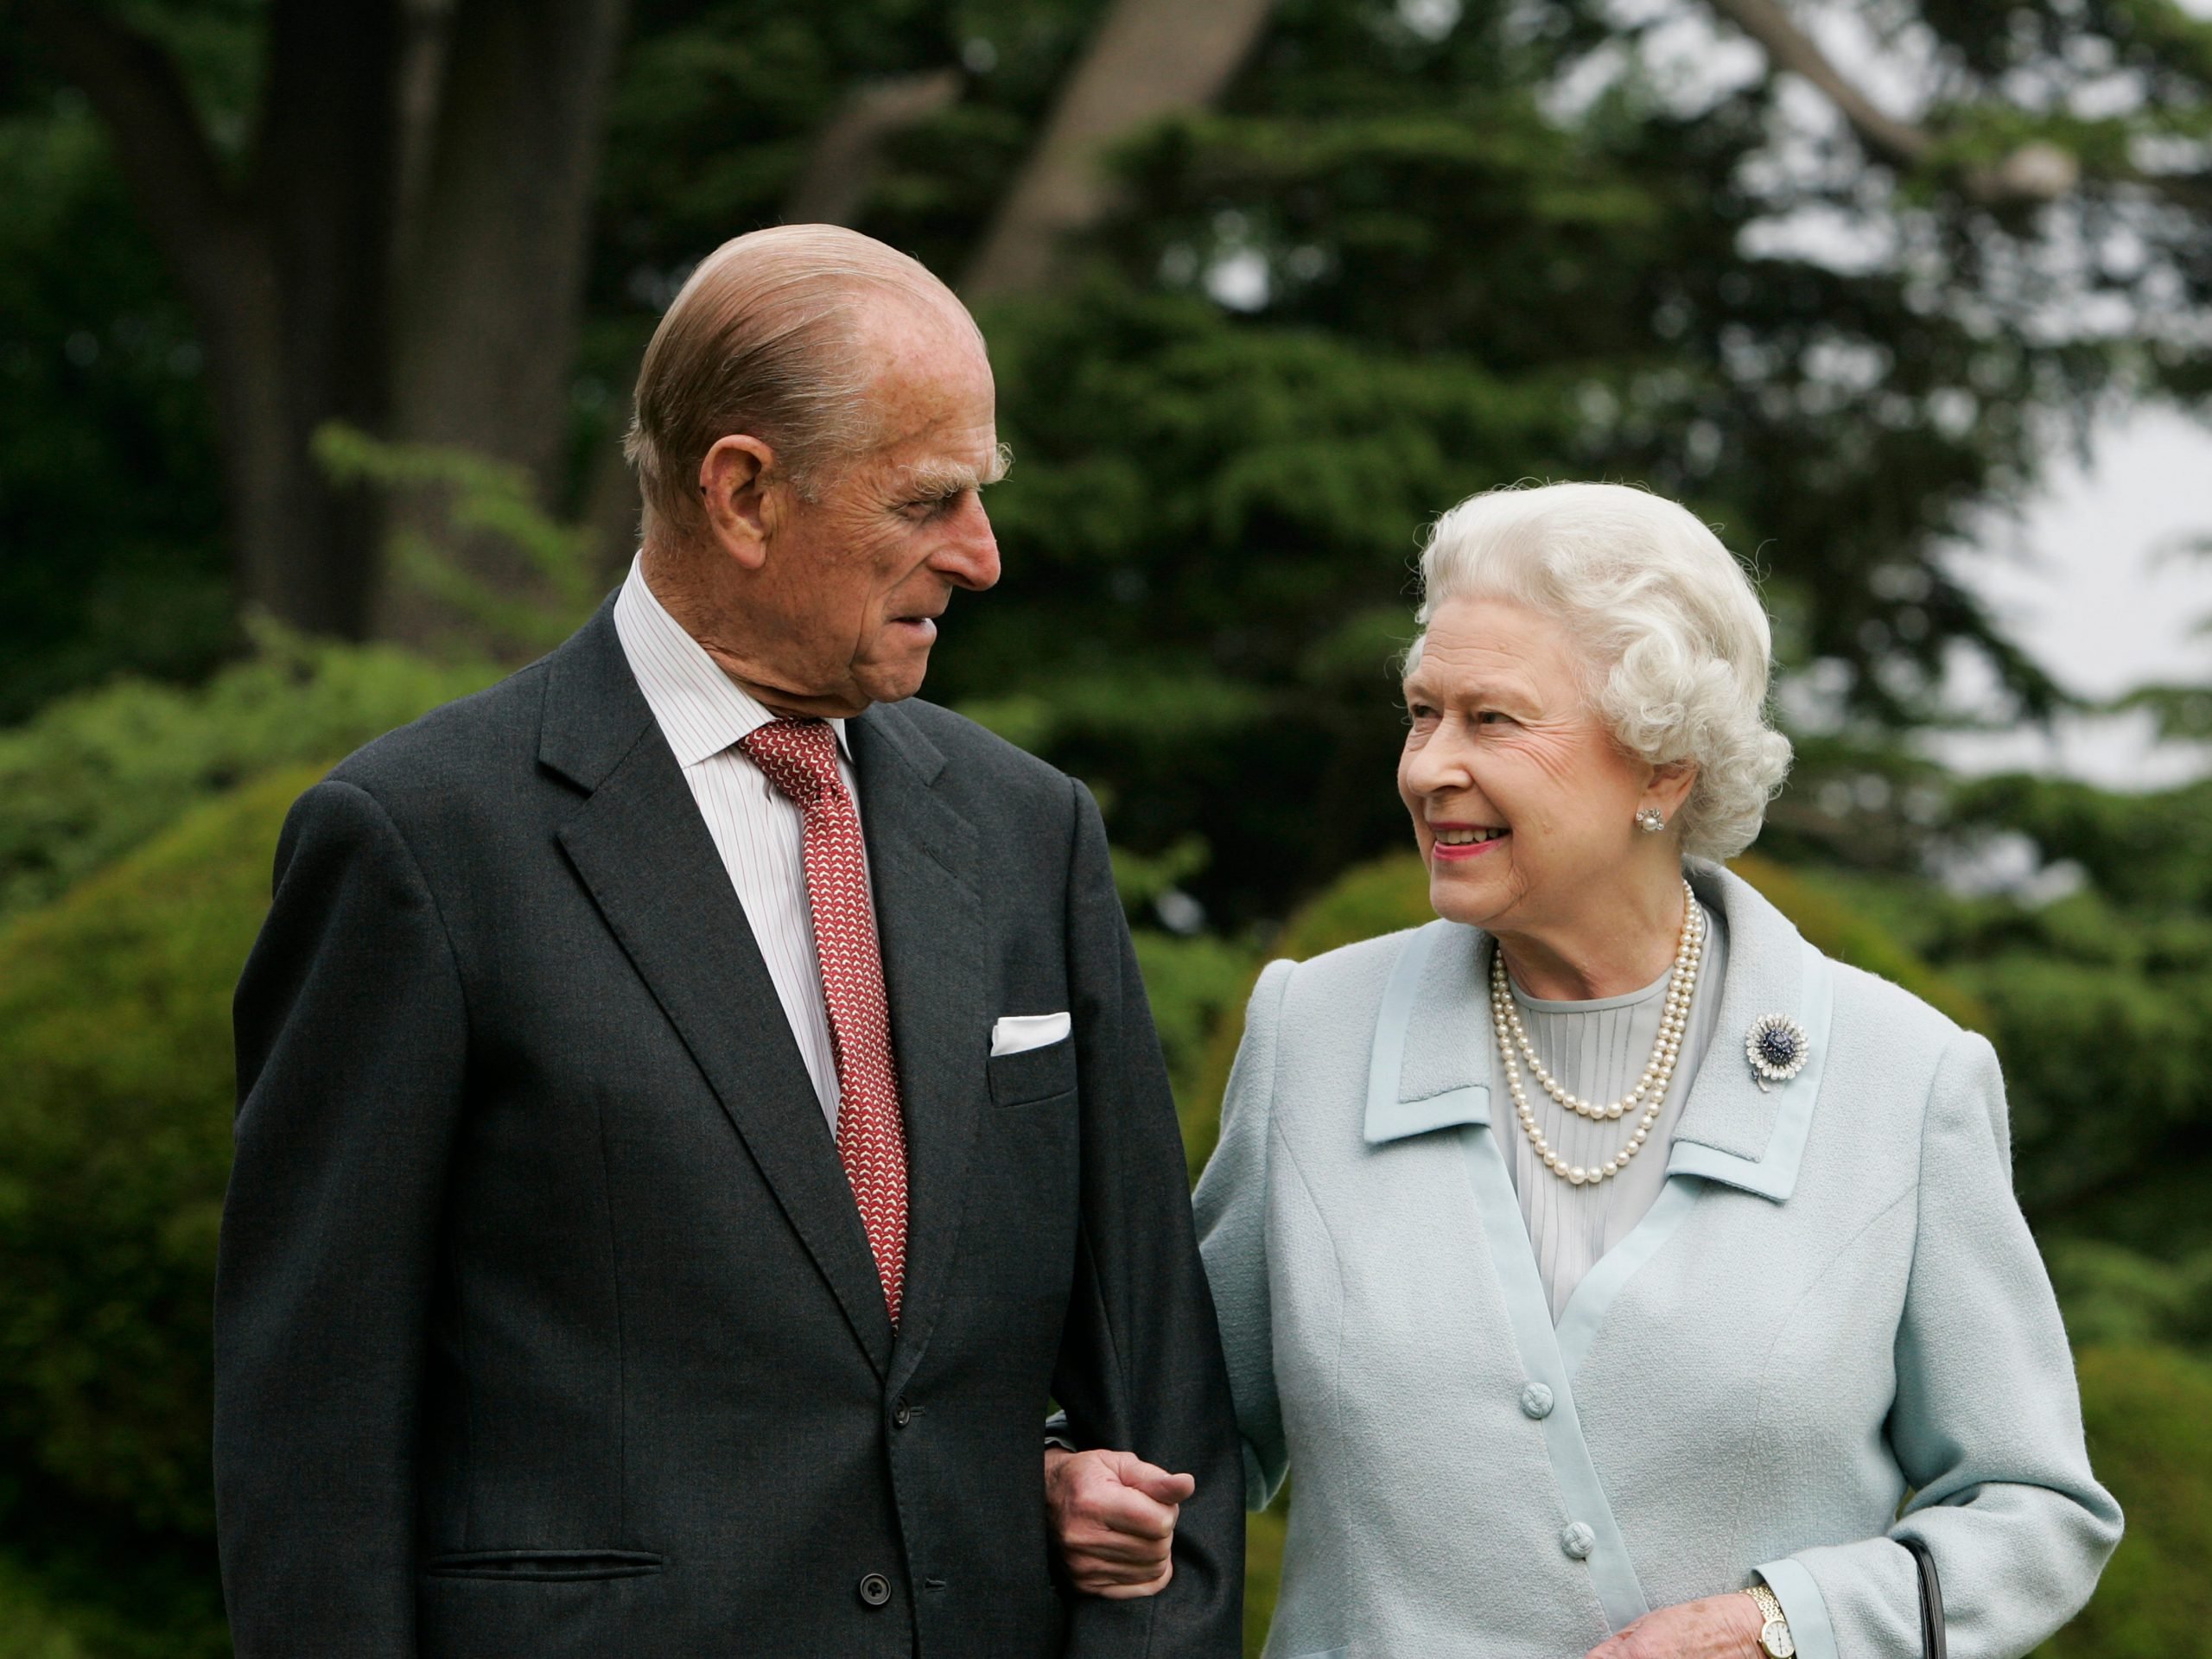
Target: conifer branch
pixel 2034 172
pixel 846 154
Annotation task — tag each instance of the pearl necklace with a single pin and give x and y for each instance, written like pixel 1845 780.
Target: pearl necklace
pixel 1658 1072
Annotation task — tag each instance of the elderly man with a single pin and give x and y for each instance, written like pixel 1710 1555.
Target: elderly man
pixel 697 1103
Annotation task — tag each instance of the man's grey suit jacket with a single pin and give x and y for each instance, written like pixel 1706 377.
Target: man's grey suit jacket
pixel 546 1327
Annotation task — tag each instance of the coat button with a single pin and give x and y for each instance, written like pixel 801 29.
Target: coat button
pixel 1536 1400
pixel 1577 1540
pixel 902 1414
pixel 876 1590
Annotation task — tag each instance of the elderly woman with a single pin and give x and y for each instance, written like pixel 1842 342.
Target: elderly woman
pixel 1620 1275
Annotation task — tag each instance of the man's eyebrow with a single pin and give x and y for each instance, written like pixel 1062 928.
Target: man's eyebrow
pixel 932 480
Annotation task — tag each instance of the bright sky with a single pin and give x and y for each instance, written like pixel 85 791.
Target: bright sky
pixel 2096 583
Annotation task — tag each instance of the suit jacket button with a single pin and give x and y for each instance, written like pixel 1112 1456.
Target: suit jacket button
pixel 1577 1540
pixel 876 1590
pixel 902 1414
pixel 1536 1400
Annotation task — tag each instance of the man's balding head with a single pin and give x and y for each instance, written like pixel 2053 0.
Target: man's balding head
pixel 770 337
pixel 816 420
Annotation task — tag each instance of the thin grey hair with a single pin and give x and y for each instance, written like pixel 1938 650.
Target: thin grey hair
pixel 764 337
pixel 1676 648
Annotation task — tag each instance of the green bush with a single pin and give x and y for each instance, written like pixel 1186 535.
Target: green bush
pixel 30 1626
pixel 1193 984
pixel 115 1146
pixel 2149 1415
pixel 98 773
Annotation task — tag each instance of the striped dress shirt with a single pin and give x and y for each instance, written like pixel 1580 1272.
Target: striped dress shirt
pixel 759 834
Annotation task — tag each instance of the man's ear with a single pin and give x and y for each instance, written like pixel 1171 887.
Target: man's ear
pixel 737 483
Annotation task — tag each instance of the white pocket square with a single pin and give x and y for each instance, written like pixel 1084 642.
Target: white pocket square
pixel 1015 1033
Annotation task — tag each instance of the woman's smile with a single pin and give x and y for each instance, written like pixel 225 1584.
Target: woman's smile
pixel 1464 841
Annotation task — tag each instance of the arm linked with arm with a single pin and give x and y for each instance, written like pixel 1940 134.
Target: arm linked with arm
pixel 351 1042
pixel 1987 1423
pixel 1139 1364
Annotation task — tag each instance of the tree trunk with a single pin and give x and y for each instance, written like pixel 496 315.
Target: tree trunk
pixel 327 165
pixel 1150 59
pixel 405 255
pixel 286 275
pixel 493 260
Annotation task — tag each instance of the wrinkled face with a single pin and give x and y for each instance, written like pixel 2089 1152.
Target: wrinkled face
pixel 857 577
pixel 1523 804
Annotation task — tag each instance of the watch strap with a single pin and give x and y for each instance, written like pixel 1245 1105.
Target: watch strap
pixel 1774 1633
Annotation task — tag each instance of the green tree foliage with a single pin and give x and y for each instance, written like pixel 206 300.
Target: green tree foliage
pixel 1422 249
pixel 1396 269
pixel 2120 965
pixel 112 554
pixel 487 503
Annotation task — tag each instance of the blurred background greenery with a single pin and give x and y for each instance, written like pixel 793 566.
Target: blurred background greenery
pixel 316 322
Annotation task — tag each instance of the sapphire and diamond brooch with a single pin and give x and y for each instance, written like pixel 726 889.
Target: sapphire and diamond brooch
pixel 1778 1049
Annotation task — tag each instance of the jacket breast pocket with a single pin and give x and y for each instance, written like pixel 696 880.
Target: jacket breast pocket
pixel 1033 1074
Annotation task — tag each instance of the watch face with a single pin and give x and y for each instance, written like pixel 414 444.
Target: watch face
pixel 1773 1636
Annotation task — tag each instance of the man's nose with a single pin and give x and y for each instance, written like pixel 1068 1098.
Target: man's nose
pixel 969 557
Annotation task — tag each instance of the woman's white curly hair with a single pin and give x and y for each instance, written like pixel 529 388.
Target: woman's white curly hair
pixel 1677 648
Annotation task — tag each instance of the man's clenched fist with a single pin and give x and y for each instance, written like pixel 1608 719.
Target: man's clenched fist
pixel 1113 1516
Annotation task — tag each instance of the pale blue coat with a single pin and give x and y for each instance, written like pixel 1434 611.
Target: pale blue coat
pixel 1834 1301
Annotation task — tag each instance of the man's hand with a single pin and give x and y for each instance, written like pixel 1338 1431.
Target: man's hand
pixel 1113 1516
pixel 1719 1627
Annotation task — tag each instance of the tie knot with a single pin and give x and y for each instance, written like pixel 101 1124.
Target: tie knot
pixel 799 756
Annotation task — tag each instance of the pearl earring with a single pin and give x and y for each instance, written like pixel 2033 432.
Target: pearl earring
pixel 1651 820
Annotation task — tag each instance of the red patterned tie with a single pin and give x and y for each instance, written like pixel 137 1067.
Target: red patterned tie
pixel 800 759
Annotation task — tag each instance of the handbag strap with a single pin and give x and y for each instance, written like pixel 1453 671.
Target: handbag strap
pixel 1931 1598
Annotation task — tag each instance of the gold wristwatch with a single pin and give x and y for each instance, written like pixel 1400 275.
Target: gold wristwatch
pixel 1774 1635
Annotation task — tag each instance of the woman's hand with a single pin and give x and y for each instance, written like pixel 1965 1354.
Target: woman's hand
pixel 1720 1627
pixel 1113 1516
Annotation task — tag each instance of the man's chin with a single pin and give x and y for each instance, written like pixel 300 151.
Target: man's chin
pixel 893 681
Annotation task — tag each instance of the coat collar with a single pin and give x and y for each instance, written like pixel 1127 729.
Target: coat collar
pixel 1433 1057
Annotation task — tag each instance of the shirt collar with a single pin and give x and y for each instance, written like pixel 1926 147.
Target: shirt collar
pixel 700 710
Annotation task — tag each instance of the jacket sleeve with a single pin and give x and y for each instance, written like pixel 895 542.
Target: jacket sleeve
pixel 1231 1205
pixel 350 1046
pixel 1986 1424
pixel 1139 1364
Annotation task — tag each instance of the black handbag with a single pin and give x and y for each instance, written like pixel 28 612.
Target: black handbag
pixel 1931 1600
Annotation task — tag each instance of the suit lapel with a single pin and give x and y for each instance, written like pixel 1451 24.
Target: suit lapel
pixel 924 858
pixel 642 850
